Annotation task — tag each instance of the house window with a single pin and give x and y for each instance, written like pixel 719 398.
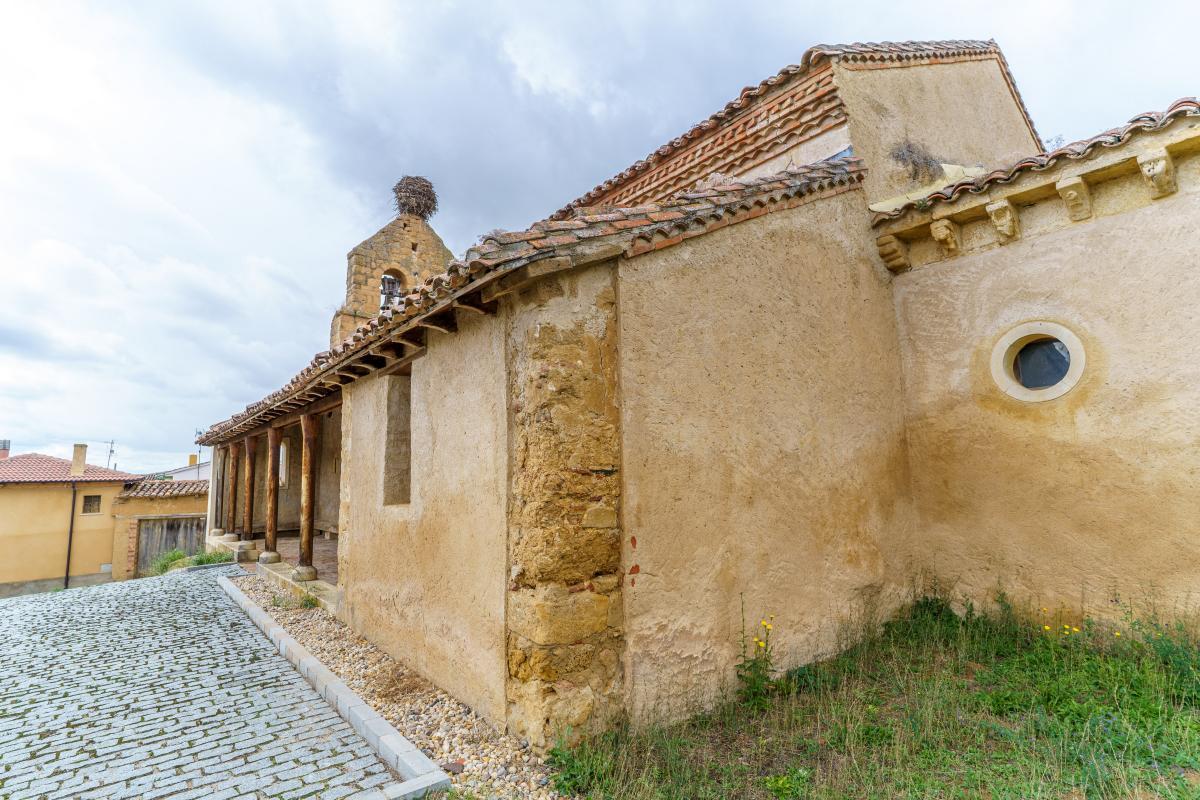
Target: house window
pixel 397 456
pixel 91 504
pixel 283 462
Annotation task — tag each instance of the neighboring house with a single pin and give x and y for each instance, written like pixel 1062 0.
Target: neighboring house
pixel 49 507
pixel 196 470
pixel 808 356
pixel 152 517
pixel 113 523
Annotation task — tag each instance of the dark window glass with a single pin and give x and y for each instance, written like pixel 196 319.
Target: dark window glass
pixel 91 504
pixel 1042 363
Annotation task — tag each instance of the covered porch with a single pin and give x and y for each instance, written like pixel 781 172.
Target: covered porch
pixel 276 497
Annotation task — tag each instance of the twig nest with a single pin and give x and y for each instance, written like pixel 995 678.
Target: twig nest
pixel 415 195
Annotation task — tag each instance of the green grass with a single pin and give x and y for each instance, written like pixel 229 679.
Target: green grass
pixel 935 706
pixel 163 561
pixel 172 558
pixel 214 557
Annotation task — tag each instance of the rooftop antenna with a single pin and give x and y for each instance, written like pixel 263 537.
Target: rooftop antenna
pixel 111 452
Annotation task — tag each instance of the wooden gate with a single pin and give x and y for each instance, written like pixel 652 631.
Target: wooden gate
pixel 158 535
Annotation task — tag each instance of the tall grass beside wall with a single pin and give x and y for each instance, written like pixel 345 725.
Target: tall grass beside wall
pixel 935 705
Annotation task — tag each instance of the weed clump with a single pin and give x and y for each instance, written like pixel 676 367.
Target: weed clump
pixel 163 561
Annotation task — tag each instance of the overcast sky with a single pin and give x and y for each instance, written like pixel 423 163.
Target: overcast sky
pixel 180 182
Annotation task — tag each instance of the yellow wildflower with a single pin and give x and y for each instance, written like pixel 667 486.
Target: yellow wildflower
pixel 1075 629
pixel 1045 627
pixel 762 644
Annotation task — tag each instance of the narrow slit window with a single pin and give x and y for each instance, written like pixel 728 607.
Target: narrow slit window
pixel 397 457
pixel 283 462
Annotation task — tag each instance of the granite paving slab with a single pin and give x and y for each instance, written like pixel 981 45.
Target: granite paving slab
pixel 163 688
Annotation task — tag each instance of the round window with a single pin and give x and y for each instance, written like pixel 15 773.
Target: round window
pixel 1041 363
pixel 1037 361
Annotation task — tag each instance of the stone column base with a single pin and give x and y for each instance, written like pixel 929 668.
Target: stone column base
pixel 230 537
pixel 268 558
pixel 301 574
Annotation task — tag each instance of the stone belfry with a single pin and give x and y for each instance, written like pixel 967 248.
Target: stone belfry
pixel 401 255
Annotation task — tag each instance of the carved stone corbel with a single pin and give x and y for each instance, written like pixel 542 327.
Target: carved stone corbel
pixel 893 252
pixel 1158 168
pixel 948 235
pixel 1005 220
pixel 1077 197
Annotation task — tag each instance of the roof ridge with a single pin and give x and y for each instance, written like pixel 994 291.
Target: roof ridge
pixel 614 230
pixel 855 51
pixel 1146 122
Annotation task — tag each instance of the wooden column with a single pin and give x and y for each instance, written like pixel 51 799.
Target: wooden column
pixel 270 555
pixel 231 477
pixel 248 511
pixel 308 457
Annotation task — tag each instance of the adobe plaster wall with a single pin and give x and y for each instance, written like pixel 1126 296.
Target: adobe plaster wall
pixel 1092 499
pixel 763 447
pixel 426 581
pixel 34 522
pixel 944 107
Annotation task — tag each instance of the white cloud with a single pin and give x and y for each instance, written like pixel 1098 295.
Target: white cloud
pixel 179 183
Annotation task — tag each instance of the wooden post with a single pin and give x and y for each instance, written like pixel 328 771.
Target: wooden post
pixel 308 429
pixel 248 511
pixel 270 555
pixel 231 479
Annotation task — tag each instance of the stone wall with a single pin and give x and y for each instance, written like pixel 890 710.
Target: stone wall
pixel 564 616
pixel 406 248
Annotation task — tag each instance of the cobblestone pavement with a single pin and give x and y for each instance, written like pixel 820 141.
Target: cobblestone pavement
pixel 162 688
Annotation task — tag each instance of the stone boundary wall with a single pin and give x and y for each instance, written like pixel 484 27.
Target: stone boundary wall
pixel 421 776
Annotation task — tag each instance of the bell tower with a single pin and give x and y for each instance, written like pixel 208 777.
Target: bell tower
pixel 399 256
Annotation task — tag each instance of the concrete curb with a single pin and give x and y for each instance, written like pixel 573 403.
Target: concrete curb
pixel 421 776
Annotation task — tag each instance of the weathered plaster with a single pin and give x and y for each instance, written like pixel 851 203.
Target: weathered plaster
pixel 764 452
pixel 944 107
pixel 426 581
pixel 1092 499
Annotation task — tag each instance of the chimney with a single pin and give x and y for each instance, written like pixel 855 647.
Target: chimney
pixel 5 444
pixel 79 460
pixel 193 459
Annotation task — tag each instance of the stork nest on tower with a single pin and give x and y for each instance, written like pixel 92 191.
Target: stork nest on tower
pixel 415 195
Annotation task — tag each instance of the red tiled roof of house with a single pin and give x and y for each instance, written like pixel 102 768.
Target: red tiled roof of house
pixel 38 468
pixel 591 234
pixel 1115 137
pixel 161 488
pixel 881 53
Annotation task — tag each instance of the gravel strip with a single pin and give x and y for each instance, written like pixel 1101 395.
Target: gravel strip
pixel 493 765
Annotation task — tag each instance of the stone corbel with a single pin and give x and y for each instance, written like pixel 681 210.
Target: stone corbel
pixel 1076 196
pixel 1158 168
pixel 893 252
pixel 948 235
pixel 1005 220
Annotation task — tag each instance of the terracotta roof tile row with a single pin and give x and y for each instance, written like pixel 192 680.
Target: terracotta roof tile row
pixel 591 234
pixel 38 468
pixel 1115 137
pixel 869 52
pixel 161 488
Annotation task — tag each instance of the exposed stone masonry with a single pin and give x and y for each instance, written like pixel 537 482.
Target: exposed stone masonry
pixel 407 249
pixel 564 609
